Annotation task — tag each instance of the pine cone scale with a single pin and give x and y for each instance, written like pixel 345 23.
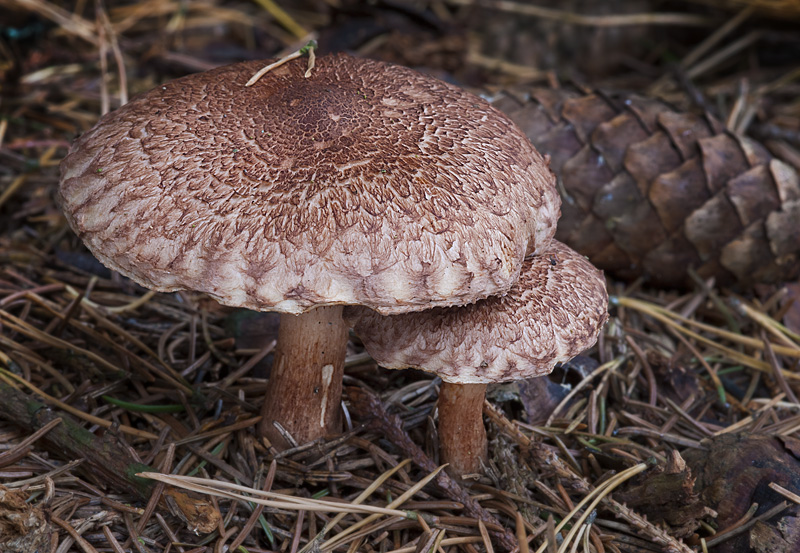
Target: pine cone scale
pixel 649 158
pixel 585 114
pixel 650 191
pixel 583 173
pixel 712 226
pixel 677 193
pixel 613 138
pixel 723 159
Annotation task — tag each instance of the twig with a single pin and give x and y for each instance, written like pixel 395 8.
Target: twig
pixel 85 545
pixel 604 369
pixel 12 188
pixel 277 500
pixel 589 20
pixel 257 510
pixel 307 49
pixel 70 22
pixel 21 449
pixel 723 54
pixel 108 31
pixel 740 528
pixel 595 496
pixel 283 18
pixel 5 389
pixel 544 457
pixel 445 542
pixel 369 408
pixel 785 493
pixel 361 497
pixel 666 317
pixel 339 538
pixel 712 40
pixel 107 459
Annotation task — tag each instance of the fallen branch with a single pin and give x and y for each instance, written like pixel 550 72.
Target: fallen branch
pixel 369 409
pixel 105 461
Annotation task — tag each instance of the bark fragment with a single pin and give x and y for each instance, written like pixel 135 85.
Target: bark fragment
pixel 24 528
pixel 667 495
pixel 733 473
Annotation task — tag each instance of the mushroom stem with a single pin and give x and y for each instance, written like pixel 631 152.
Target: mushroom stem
pixel 462 436
pixel 305 386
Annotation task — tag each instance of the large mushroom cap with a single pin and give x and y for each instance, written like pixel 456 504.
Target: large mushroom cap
pixel 552 314
pixel 366 183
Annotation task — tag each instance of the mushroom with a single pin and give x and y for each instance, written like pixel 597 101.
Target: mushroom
pixel 554 312
pixel 364 184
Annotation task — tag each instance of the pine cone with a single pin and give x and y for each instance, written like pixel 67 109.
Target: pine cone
pixel 650 191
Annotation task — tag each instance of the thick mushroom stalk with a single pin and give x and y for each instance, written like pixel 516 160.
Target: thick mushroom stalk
pixel 305 385
pixel 462 436
pixel 553 313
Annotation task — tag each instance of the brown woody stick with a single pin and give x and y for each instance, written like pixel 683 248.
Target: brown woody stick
pixel 369 408
pixel 106 462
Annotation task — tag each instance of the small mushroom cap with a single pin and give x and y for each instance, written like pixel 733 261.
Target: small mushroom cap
pixel 365 183
pixel 552 314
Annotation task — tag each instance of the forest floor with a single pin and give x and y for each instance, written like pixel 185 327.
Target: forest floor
pixel 679 431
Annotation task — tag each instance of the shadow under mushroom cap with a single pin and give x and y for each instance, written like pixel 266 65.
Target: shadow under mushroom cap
pixel 554 312
pixel 366 183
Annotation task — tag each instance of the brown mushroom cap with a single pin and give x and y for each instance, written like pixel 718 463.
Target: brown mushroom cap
pixel 552 314
pixel 366 183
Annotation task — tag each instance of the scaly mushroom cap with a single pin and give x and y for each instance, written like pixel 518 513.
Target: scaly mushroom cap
pixel 552 314
pixel 365 183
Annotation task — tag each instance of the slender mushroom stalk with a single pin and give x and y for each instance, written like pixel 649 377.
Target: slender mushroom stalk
pixel 305 385
pixel 462 436
pixel 553 313
pixel 362 183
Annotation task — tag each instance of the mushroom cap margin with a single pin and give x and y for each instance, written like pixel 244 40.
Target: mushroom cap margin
pixel 554 312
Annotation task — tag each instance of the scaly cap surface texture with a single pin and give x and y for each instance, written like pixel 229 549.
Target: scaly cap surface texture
pixel 366 183
pixel 552 314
